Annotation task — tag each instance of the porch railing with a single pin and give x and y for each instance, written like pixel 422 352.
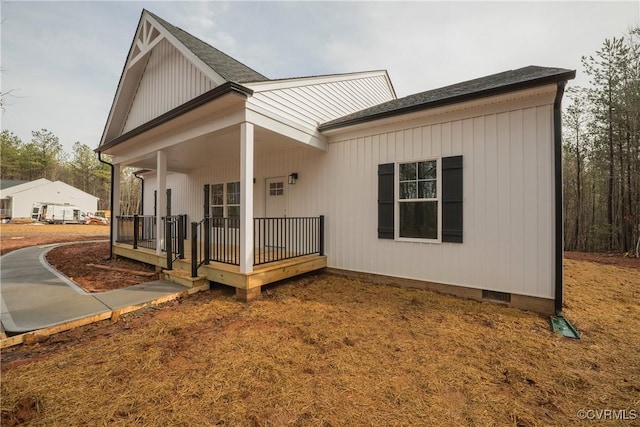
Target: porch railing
pixel 140 232
pixel 136 230
pixel 225 240
pixel 200 244
pixel 175 235
pixel 275 239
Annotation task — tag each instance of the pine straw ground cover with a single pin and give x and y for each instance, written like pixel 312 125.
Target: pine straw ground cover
pixel 324 350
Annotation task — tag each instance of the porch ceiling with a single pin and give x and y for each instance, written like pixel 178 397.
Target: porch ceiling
pixel 198 152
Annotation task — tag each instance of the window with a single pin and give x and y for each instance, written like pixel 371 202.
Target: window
pixel 276 188
pixel 418 200
pixel 225 202
pixel 217 200
pixel 233 199
pixel 427 198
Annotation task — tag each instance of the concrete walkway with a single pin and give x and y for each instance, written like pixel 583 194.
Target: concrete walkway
pixel 33 295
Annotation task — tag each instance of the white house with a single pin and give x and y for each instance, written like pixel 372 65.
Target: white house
pixel 456 189
pixel 18 201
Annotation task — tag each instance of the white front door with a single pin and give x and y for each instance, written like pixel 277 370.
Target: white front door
pixel 276 195
pixel 273 231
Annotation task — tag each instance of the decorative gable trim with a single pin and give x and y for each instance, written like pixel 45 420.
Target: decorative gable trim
pixel 148 34
pixel 146 39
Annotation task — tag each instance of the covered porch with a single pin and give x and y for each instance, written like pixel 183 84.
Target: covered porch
pixel 241 242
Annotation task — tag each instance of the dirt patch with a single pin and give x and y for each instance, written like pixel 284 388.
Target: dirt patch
pixel 24 411
pixel 324 350
pixel 78 263
pixel 619 260
pixel 17 236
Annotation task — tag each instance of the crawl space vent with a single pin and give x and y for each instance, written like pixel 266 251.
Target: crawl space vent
pixel 496 296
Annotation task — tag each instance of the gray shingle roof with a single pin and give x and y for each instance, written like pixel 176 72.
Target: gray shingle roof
pixel 7 183
pixel 494 84
pixel 230 69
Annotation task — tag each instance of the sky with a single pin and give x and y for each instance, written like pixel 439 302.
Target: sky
pixel 61 61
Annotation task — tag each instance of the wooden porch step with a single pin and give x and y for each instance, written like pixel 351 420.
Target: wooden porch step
pixel 182 278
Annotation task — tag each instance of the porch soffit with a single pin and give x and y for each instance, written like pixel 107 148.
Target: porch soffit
pixel 213 116
pixel 203 150
pixel 187 136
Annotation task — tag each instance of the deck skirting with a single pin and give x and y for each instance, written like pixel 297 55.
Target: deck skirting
pixel 230 275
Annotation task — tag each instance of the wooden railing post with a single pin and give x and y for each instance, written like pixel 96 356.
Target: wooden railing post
pixel 321 235
pixel 136 223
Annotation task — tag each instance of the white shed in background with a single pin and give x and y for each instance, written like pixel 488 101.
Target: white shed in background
pixel 18 201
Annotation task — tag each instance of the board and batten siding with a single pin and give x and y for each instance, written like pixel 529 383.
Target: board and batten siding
pixel 169 80
pixel 313 103
pixel 302 198
pixel 508 202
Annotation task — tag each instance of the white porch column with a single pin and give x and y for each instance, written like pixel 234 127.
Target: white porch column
pixel 246 197
pixel 161 198
pixel 115 209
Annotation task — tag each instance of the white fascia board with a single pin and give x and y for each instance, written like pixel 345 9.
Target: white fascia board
pixel 279 124
pixel 129 64
pixel 315 80
pixel 525 98
pixel 170 134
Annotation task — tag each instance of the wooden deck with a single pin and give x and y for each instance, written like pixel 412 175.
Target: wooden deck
pixel 247 285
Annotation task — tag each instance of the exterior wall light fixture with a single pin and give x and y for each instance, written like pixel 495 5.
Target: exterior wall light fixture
pixel 293 178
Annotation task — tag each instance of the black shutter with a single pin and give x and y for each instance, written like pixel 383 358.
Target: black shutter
pixel 386 201
pixel 155 202
pixel 452 199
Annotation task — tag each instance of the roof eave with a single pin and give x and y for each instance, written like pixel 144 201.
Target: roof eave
pixel 122 74
pixel 452 100
pixel 215 93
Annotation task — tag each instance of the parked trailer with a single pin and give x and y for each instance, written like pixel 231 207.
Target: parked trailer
pixel 58 214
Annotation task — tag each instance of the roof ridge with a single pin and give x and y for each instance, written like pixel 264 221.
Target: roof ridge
pixel 228 67
pixel 315 76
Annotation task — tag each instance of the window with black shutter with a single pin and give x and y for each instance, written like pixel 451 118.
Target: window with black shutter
pixel 452 199
pixel 386 201
pixel 418 200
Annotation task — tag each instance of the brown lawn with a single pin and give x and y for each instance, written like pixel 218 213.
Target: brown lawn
pixel 323 350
